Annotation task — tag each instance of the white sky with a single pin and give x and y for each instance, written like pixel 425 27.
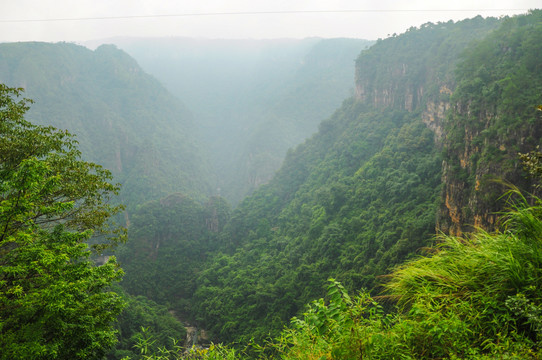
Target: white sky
pixel 30 20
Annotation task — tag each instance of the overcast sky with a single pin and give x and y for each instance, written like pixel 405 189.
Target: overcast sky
pixel 81 20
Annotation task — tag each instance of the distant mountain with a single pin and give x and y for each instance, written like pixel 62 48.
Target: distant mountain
pixel 123 118
pixel 252 99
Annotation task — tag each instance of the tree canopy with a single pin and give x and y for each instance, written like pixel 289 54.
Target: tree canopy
pixel 54 301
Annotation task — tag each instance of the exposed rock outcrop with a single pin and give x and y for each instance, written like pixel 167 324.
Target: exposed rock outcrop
pixel 473 113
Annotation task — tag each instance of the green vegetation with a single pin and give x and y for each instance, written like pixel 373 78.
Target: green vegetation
pixel 472 297
pixel 416 147
pixel 499 84
pixel 475 297
pixel 214 352
pixel 123 118
pixel 361 195
pixel 144 320
pixel 169 243
pixel 532 161
pixel 357 199
pixel 54 303
pixel 351 202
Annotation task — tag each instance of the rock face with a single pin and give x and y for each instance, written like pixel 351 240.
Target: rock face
pixel 492 118
pixel 414 71
pixel 474 177
pixel 435 112
pixel 195 338
pixel 470 102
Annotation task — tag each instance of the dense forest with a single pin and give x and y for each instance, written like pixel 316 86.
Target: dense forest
pixel 407 226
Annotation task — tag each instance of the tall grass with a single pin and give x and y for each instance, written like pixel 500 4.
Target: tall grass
pixel 485 271
pixel 473 297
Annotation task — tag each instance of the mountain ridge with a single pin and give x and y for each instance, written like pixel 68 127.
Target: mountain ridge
pixel 122 117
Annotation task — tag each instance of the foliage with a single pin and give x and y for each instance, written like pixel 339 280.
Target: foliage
pixel 472 297
pixel 360 196
pixel 142 318
pixel 169 243
pixel 351 202
pixel 124 119
pixel 493 118
pixel 475 297
pixel 215 352
pixel 331 329
pixel 532 162
pixel 54 303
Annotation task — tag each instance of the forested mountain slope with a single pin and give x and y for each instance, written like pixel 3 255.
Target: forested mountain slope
pixel 363 194
pixel 170 240
pixel 355 199
pixel 122 117
pixel 483 112
pixel 493 116
pixel 252 99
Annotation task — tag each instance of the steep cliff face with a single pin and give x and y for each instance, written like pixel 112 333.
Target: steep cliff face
pixel 479 105
pixel 402 90
pixel 435 112
pixel 414 71
pixel 493 117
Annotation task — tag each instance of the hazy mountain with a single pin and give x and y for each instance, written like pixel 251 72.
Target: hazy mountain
pixel 123 118
pixel 251 99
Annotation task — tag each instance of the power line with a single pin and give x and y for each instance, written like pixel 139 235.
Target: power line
pixel 120 17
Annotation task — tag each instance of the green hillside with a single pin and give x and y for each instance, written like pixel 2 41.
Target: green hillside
pixel 362 195
pixel 122 117
pixel 494 117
